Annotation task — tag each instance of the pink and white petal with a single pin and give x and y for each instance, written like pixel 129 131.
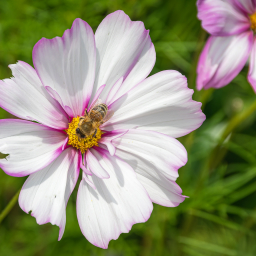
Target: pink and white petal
pixel 83 166
pixel 88 181
pixel 140 70
pixel 165 153
pixel 107 138
pixel 25 97
pixel 96 98
pixel 115 205
pixel 94 161
pixel 124 49
pixel 45 193
pixel 113 91
pixel 222 59
pixel 161 103
pixel 246 6
pixel 67 65
pixel 252 67
pixel 221 18
pixel 30 146
pixel 161 190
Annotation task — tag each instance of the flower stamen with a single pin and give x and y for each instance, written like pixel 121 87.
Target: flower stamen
pixel 253 21
pixel 81 144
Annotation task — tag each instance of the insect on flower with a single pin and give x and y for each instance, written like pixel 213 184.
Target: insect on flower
pixel 90 122
pixel 99 113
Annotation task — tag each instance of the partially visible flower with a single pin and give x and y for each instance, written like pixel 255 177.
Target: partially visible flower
pixel 133 158
pixel 232 25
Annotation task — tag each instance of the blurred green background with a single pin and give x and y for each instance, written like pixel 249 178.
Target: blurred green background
pixel 219 216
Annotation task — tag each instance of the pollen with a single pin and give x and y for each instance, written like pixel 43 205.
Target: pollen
pixel 82 144
pixel 253 21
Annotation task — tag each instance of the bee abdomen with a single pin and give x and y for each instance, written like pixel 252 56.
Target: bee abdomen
pixel 99 112
pixel 104 108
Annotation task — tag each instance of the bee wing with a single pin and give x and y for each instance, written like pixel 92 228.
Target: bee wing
pixel 97 102
pixel 109 114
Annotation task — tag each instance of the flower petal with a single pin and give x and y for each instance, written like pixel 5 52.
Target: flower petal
pixel 83 167
pixel 67 65
pixel 252 70
pixel 113 91
pixel 45 193
pixel 30 146
pixel 164 152
pixel 247 6
pixel 88 181
pixel 96 99
pixel 115 205
pixel 161 103
pixel 222 59
pixel 155 158
pixel 124 49
pixel 107 137
pixel 161 190
pixel 221 18
pixel 94 160
pixel 25 97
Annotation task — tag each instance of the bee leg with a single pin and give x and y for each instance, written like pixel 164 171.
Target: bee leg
pixel 85 112
pixel 94 135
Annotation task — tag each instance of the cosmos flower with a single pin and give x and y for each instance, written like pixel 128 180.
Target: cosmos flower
pixel 130 161
pixel 232 24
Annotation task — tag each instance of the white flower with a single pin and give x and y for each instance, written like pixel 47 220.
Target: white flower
pixel 137 157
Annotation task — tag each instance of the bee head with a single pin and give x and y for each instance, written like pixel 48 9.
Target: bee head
pixel 78 132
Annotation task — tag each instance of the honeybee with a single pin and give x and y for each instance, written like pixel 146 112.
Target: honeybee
pixel 90 122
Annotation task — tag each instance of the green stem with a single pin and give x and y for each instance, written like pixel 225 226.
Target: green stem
pixel 232 125
pixel 8 208
pixel 238 119
pixel 203 96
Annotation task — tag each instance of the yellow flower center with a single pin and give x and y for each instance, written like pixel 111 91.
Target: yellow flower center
pixel 253 21
pixel 82 144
